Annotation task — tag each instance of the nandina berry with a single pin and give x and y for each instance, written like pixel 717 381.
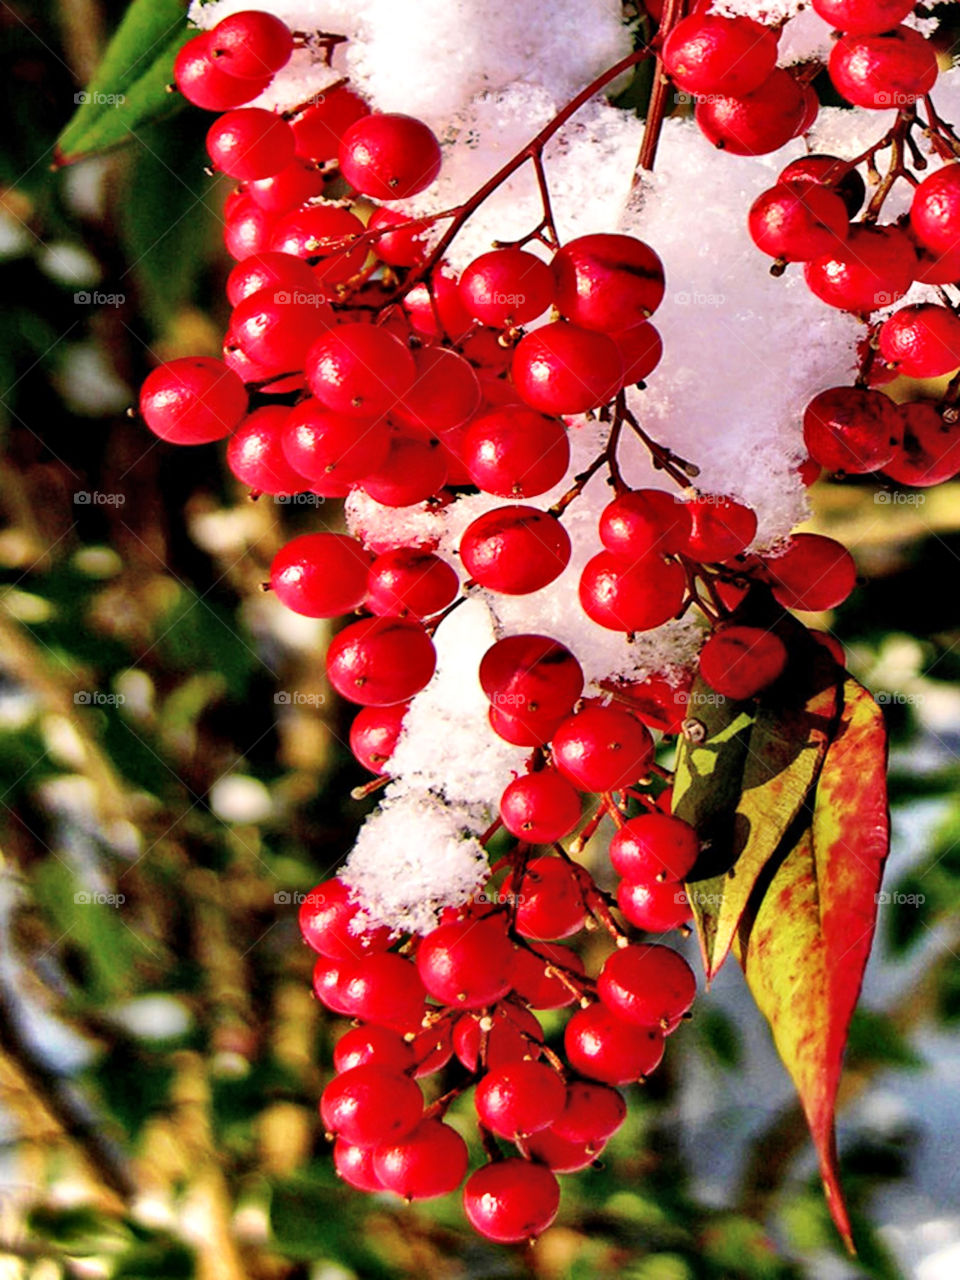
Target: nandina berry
pixel 355 1166
pixel 255 455
pixel 797 221
pixel 540 808
pixel 293 186
pixel 389 157
pixel 516 453
pixel 385 988
pixel 602 749
pixel 432 1048
pixel 654 846
pixel 874 268
pixel 429 1161
pixel 404 247
pixel 374 735
pixel 830 172
pixel 510 1032
pixel 328 919
pixel 863 17
pixel 372 1044
pixel 321 575
pixel 935 210
pixel 408 583
pixel 591 1114
pixel 247 229
pixel 326 234
pixel 194 400
pixel 413 471
pixel 251 44
pixel 811 572
pixel 631 594
pixel 515 550
pixel 206 84
pixel 649 985
pixel 319 128
pixel 660 700
pixel 519 1098
pixel 467 964
pixel 511 1200
pixel 641 350
pixel 930 452
pixel 757 122
pixel 549 900
pixel 707 53
pixel 532 673
pixel 889 69
pixel 607 282
pixel 369 1105
pixel 323 446
pixel 563 368
pixel 329 981
pixel 602 1046
pixel 739 662
pixel 720 528
pixel 379 661
pixel 642 521
pixel 435 308
pixel 445 395
pixel 523 728
pixel 535 975
pixel 278 272
pixel 359 370
pixel 653 906
pixel 250 143
pixel 923 341
pixel 506 288
pixel 275 328
pixel 851 429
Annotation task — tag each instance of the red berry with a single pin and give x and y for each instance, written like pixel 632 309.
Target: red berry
pixel 532 674
pixel 467 964
pixel 535 975
pixel 548 897
pixel 851 429
pixel 540 808
pixel 371 1044
pixel 251 44
pixel 247 229
pixel 930 452
pixel 506 288
pixel 324 446
pixel 797 221
pixel 831 172
pixel 604 1047
pixel 355 1166
pixel 511 1200
pixel 275 271
pixel 255 455
pixel 516 453
pixel 631 594
pixel 515 550
pixel 935 210
pixel 327 921
pixel 720 529
pixel 324 232
pixel 385 989
pixel 738 662
pixel 607 282
pixel 250 143
pixel 891 69
pixel 321 575
pixel 514 1034
pixel 591 1114
pixel 402 248
pixel 409 583
pixel 602 749
pixel 559 1154
pixel 863 17
pixel 413 471
pixel 195 400
pixel 659 700
pixel 707 53
pixel 524 729
pixel 562 368
pixel 319 129
pixel 923 341
pixel 445 395
pixel 206 84
pixel 812 573
pixel 649 985
pixel 359 370
pixel 760 121
pixel 654 846
pixel 519 1098
pixel 874 268
pixel 641 350
pixel 642 521
pixel 369 1105
pixel 438 300
pixel 374 735
pixel 275 328
pixel 379 661
pixel 653 907
pixel 329 981
pixel 389 157
pixel 291 187
pixel 429 1161
pixel 432 1048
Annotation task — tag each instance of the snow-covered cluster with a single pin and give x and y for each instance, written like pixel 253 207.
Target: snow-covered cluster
pixel 744 352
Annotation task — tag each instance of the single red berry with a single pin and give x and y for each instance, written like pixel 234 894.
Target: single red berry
pixel 251 44
pixel 250 143
pixel 516 453
pixel 607 282
pixel 511 1033
pixel 891 69
pixel 602 749
pixel 355 1166
pixel 519 1098
pixel 429 1161
pixel 467 964
pixel 535 975
pixel 531 673
pixel 627 594
pixel 385 988
pixel 371 1044
pixel 436 309
pixel 408 583
pixel 523 728
pixel 642 521
pixel 707 53
pixel 288 189
pixel 511 1200
pixel 389 157
pixel 255 455
pixel 326 235
pixel 649 985
pixel 875 267
pixel 379 661
pixel 851 429
pixel 641 350
pixel 863 17
pixel 923 341
pixel 797 221
pixel 935 210
pixel 739 662
pixel 275 328
pixel 563 368
pixel 721 528
pixel 275 271
pixel 194 400
pixel 329 981
pixel 359 370
pixel 591 1114
pixel 602 1046
pixel 652 906
pixel 247 229
pixel 321 575
pixel 758 122
pixel 322 445
pixel 661 700
pixel 515 550
pixel 404 247
pixel 540 808
pixel 328 922
pixel 374 735
pixel 369 1105
pixel 831 172
pixel 506 288
pixel 319 128
pixel 445 395
pixel 432 1048
pixel 413 471
pixel 206 84
pixel 930 452
pixel 812 573
pixel 559 1154
pixel 654 846
pixel 549 900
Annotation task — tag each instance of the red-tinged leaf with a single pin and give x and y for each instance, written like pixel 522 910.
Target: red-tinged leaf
pixel 805 939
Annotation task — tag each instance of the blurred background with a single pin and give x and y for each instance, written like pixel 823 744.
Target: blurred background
pixel 173 773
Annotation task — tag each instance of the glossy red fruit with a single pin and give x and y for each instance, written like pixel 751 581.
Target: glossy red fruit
pixel 275 328
pixel 380 661
pixel 291 187
pixel 429 1161
pixel 831 172
pixel 372 1044
pixel 631 594
pixel 369 1105
pixel 319 128
pixel 506 288
pixel 738 662
pixel 321 575
pixel 562 368
pixel 559 1154
pixel 322 445
pixel 935 210
pixel 863 17
pixel 531 673
pixel 661 700
pixel 535 975
pixel 404 247
pixel 540 808
pixel 523 729
pixel 467 964
pixel 250 143
pixel 275 271
pixel 923 341
pixel 707 53
pixel 255 455
pixel 326 235
pixel 516 453
pixel 436 310
pixel 329 981
pixel 797 221
pixel 653 907
pixel 328 920
pixel 513 1034
pixel 445 394
pixel 874 268
pixel 891 69
pixel 760 121
pixel 511 1200
pixel 433 1048
pixel 519 1098
pixel 654 846
pixel 251 44
pixel 648 985
pixel 359 370
pixel 930 451
pixel 607 282
pixel 206 84
pixel 194 400
pixel 602 1046
pixel 413 471
pixel 640 349
pixel 812 572
pixel 515 550
pixel 355 1166
pixel 374 735
pixel 720 528
pixel 408 583
pixel 642 521
pixel 591 1114
pixel 851 429
pixel 247 229
pixel 548 897
pixel 602 749
pixel 389 157
pixel 385 988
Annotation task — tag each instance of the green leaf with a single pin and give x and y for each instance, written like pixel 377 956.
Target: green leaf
pixel 130 87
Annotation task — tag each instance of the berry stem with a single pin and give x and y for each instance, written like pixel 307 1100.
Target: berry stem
pixel 673 11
